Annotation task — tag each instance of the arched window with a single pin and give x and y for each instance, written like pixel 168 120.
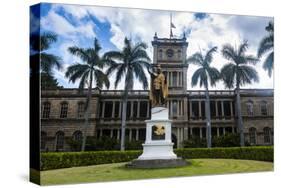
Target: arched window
pixel 160 55
pixel 252 135
pixel 77 136
pixel 264 108
pixel 267 133
pixel 64 109
pixel 43 140
pixel 59 141
pixel 250 108
pixel 46 110
pixel 81 109
pixel 179 54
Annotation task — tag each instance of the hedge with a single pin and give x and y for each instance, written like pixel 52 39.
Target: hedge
pixel 52 160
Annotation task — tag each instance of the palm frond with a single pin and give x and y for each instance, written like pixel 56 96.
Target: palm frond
pixel 209 55
pixel 247 74
pixel 228 74
pixel 214 75
pixel 197 76
pixel 101 79
pixel 242 48
pixel 121 70
pixel 46 39
pixel 228 52
pixel 79 52
pixel 75 71
pixel 140 75
pixel 49 61
pixel 196 59
pixel 268 64
pixel 265 45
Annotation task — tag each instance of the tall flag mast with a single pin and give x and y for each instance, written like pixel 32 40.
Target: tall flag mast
pixel 171 26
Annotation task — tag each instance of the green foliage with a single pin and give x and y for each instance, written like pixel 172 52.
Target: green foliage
pixel 49 82
pixel 228 140
pixel 103 143
pixel 195 142
pixel 71 159
pixel 75 145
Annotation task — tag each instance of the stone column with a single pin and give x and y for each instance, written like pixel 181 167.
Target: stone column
pixel 200 133
pixel 233 129
pixel 132 109
pixel 148 107
pixel 172 79
pixel 130 134
pixel 178 137
pixel 103 106
pixel 111 133
pixel 138 112
pixel 191 133
pixel 217 111
pixel 222 110
pixel 113 109
pixel 118 134
pixel 218 131
pixel 178 78
pixel 137 134
pixel 231 110
pixel 185 133
pixel 190 109
pixel 223 130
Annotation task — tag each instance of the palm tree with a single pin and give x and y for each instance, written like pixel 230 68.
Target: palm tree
pixel 128 63
pixel 267 47
pixel 87 72
pixel 39 45
pixel 205 75
pixel 238 72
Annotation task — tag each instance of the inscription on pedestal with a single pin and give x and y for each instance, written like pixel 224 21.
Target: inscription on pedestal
pixel 158 132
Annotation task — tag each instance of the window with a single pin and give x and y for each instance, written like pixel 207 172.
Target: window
pixel 129 109
pixel 160 54
pixel 116 110
pixel 64 109
pixel 143 109
pixel 252 135
pixel 81 109
pixel 179 54
pixel 263 108
pixel 77 136
pixel 59 141
pixel 135 109
pixel 195 109
pixel 267 133
pixel 175 109
pixel 250 108
pixel 108 109
pixel 227 109
pixel 43 140
pixel 46 110
pixel 175 79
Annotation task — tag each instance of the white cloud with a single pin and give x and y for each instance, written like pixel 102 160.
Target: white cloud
pixel 214 30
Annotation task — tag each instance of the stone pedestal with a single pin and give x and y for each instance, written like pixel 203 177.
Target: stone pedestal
pixel 158 147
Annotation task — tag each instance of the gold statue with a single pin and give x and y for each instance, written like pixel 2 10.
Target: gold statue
pixel 160 130
pixel 158 88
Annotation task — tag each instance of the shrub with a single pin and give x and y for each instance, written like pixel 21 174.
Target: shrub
pixel 71 159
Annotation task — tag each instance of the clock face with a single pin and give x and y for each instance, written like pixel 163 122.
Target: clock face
pixel 170 53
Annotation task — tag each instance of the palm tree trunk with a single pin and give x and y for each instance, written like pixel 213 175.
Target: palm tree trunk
pixel 123 121
pixel 208 119
pixel 240 121
pixel 87 113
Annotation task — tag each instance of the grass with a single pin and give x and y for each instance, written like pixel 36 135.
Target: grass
pixel 118 171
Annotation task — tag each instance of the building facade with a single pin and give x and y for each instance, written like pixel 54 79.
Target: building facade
pixel 62 112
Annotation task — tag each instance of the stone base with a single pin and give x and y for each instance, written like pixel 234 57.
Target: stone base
pixel 157 163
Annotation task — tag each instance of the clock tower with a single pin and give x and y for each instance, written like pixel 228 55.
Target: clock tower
pixel 170 53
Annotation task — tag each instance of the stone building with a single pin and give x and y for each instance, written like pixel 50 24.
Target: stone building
pixel 62 112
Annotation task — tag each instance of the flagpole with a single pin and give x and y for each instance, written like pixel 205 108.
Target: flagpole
pixel 170 25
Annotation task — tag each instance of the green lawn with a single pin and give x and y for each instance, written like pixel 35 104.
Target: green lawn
pixel 117 171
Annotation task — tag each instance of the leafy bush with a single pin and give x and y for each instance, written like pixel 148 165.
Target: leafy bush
pixel 57 160
pixel 195 142
pixel 228 140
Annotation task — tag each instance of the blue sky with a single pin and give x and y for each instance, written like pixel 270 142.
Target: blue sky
pixel 79 25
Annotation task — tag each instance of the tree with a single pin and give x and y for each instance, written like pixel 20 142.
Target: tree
pixel 205 75
pixel 39 45
pixel 128 63
pixel 266 47
pixel 236 73
pixel 87 72
pixel 49 82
